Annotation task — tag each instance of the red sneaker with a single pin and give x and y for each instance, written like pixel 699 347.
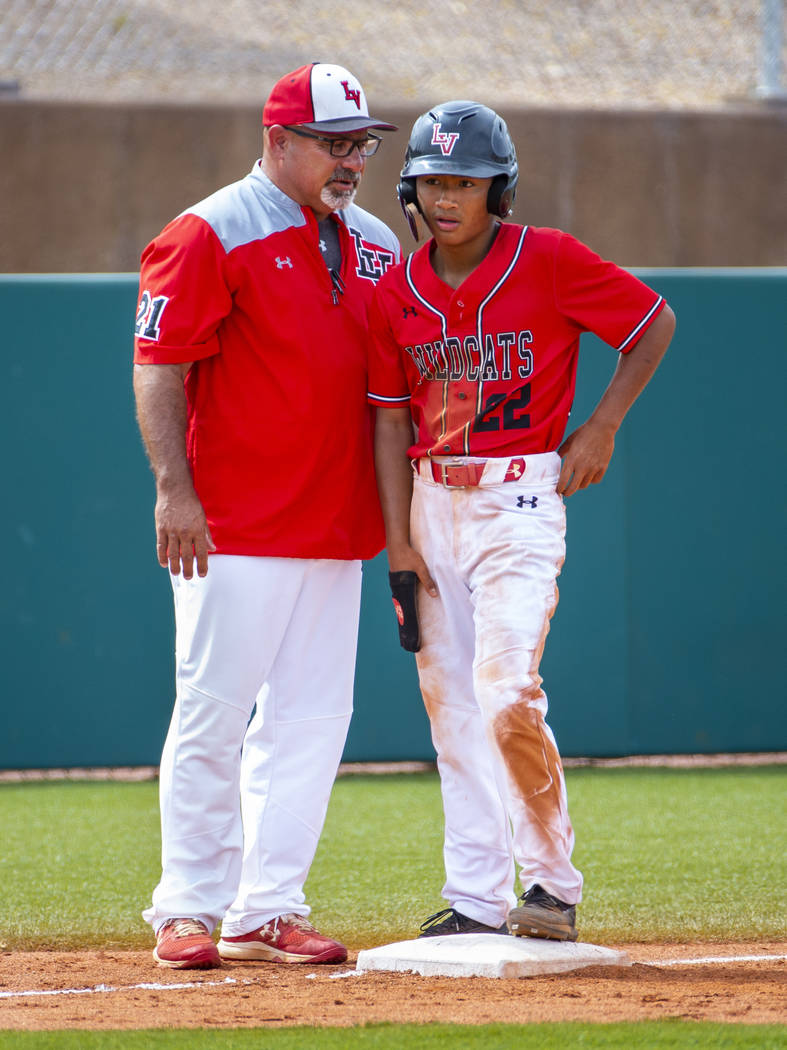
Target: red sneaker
pixel 287 938
pixel 185 944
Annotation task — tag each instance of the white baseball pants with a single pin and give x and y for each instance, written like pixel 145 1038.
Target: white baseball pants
pixel 495 552
pixel 243 799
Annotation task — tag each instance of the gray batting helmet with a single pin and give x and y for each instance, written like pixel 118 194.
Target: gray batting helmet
pixel 462 138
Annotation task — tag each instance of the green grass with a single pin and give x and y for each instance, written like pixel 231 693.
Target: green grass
pixel 647 1035
pixel 78 863
pixel 672 855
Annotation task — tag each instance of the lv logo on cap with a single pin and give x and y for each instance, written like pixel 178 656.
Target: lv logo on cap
pixel 351 95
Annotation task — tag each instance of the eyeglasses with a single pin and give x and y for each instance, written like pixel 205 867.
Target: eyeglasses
pixel 342 147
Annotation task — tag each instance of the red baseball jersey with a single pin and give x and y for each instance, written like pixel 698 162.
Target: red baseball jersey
pixel 279 429
pixel 489 369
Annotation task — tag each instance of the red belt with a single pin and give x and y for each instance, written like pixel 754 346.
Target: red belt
pixel 466 475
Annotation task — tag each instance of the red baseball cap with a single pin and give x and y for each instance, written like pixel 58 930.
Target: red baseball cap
pixel 322 97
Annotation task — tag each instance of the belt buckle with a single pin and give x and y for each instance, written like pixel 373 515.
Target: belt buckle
pixel 444 467
pixel 455 465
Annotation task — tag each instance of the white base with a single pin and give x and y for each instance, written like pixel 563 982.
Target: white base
pixel 486 955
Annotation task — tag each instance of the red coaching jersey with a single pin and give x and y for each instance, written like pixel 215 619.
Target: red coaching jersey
pixel 279 430
pixel 489 369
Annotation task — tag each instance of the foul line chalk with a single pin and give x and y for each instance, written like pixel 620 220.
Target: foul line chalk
pixel 715 959
pixel 335 976
pixel 158 987
pixel 155 986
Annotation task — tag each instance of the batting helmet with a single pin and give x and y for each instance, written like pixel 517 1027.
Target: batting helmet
pixel 462 138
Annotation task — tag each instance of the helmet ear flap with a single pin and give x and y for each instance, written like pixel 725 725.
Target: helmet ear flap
pixel 406 192
pixel 408 198
pixel 500 197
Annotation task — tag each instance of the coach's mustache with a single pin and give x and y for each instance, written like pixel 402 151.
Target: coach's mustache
pixel 346 175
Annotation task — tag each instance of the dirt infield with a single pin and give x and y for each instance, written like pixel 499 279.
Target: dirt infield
pixel 107 989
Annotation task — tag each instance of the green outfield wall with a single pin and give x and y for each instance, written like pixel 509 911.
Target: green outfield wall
pixel 670 632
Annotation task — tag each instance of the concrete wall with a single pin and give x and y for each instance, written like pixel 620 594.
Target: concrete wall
pixel 83 187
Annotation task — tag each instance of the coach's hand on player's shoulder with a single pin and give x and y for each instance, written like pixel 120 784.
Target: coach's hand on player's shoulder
pixel 405 558
pixel 586 454
pixel 182 532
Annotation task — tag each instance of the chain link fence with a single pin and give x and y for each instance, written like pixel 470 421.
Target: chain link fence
pixel 578 53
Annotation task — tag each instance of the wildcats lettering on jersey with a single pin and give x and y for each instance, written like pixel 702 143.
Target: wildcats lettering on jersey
pixel 489 368
pixel 453 358
pixel 373 260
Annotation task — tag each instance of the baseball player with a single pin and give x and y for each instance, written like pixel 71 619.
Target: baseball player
pixel 472 371
pixel 250 379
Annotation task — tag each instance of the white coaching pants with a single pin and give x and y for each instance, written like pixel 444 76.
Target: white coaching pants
pixel 243 802
pixel 495 552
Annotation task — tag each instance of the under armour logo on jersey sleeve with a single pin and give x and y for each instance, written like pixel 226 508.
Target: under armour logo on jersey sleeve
pixel 281 263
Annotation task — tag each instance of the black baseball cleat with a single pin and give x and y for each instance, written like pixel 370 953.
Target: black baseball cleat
pixel 539 914
pixel 451 921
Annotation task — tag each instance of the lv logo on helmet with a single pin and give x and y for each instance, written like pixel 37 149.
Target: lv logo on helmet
pixel 446 141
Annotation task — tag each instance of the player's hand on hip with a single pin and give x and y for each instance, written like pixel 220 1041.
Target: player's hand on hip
pixel 182 533
pixel 586 454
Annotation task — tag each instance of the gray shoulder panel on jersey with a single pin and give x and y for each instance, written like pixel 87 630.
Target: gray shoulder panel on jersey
pixel 248 210
pixel 370 227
